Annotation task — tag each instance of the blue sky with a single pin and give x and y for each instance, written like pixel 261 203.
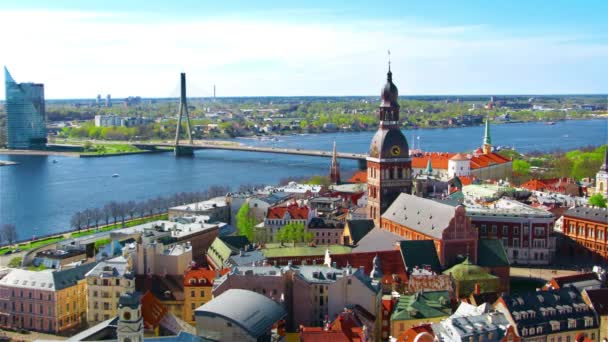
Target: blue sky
pixel 79 49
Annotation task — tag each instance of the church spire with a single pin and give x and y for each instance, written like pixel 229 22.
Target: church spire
pixel 487 140
pixel 429 167
pixel 334 170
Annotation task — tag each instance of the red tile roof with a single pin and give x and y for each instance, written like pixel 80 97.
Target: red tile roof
pixel 202 277
pixel 358 177
pixel 485 160
pixel 439 160
pixel 315 334
pixel 391 262
pixel 421 333
pixel 152 310
pixel 295 211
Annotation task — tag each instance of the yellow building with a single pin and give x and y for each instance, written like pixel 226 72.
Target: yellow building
pixel 71 298
pixel 198 285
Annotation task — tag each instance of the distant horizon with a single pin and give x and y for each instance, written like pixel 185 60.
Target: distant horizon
pixel 118 98
pixel 79 49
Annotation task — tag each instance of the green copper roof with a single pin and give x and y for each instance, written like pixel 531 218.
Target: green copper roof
pixel 491 253
pixel 487 140
pixel 422 305
pixel 466 275
pixel 274 250
pixel 429 167
pixel 419 253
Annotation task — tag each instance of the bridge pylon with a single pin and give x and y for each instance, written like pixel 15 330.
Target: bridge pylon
pixel 180 151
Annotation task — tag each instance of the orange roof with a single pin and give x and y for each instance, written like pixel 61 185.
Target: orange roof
pixel 295 211
pixel 466 180
pixel 421 333
pixel 534 185
pixel 202 277
pixel 459 156
pixel 439 160
pixel 152 310
pixel 485 160
pixel 316 334
pixel 358 177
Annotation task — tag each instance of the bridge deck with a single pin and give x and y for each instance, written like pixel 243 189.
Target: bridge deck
pixel 301 152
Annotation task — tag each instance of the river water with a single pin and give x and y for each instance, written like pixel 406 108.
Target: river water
pixel 40 196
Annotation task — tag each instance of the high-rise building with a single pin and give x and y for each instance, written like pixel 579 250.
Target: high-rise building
pixel 389 166
pixel 26 119
pixel 108 101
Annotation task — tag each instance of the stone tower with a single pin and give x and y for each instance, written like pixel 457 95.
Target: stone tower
pixel 334 169
pixel 389 166
pixel 130 321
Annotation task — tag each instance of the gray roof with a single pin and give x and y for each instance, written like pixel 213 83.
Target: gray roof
pixel 247 258
pixel 377 240
pixel 41 280
pixel 70 277
pixel 420 214
pixel 116 267
pixel 252 311
pixel 591 214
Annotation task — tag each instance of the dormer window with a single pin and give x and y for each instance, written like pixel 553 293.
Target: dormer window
pixel 192 281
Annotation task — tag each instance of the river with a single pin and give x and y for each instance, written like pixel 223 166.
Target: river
pixel 40 196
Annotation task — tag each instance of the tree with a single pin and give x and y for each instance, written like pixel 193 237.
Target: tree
pixel 597 200
pixel 8 232
pixel 77 220
pixel 245 222
pixel 293 232
pixel 521 167
pixel 15 262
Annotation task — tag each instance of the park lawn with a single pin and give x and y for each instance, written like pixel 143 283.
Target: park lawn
pixel 102 149
pixel 24 246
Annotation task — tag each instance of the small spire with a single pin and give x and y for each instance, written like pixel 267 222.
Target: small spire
pixel 389 75
pixel 487 140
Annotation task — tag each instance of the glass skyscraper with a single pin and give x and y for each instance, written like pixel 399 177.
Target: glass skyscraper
pixel 25 114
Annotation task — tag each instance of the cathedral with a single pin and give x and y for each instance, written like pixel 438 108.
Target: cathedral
pixel 389 166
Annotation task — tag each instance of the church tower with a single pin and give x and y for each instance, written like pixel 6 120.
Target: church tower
pixel 601 178
pixel 487 141
pixel 389 166
pixel 334 169
pixel 130 326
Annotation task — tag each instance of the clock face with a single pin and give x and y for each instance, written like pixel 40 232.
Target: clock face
pixel 395 150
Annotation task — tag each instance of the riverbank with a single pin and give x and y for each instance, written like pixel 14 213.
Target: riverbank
pixel 25 245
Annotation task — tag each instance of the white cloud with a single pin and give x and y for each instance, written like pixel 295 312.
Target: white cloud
pixel 80 54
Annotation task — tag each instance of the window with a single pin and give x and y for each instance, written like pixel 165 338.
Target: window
pixel 515 230
pixel 483 229
pixel 505 242
pixel 202 293
pixel 192 306
pixel 192 293
pixel 494 229
pixel 505 230
pixel 516 243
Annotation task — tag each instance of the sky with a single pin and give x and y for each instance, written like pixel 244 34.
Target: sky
pixel 79 49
